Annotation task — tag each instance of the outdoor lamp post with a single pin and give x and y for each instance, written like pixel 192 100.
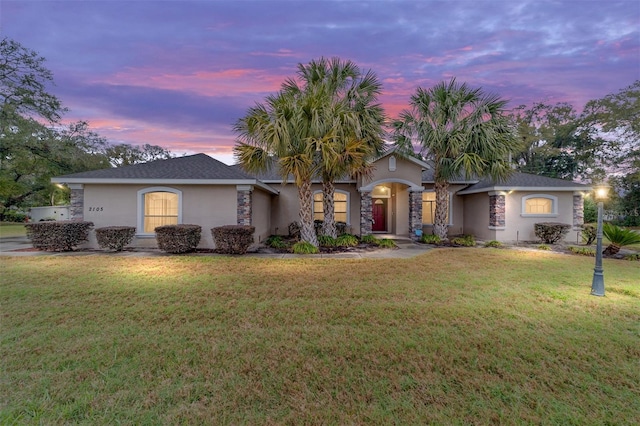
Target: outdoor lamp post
pixel 597 286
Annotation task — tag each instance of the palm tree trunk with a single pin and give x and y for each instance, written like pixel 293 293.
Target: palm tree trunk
pixel 440 227
pixel 329 223
pixel 307 231
pixel 611 250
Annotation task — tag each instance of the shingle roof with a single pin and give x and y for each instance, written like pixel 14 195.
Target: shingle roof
pixel 525 181
pixel 198 166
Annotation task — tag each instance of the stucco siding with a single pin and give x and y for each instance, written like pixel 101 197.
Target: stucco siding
pixel 476 216
pixel 521 227
pixel 405 171
pixel 261 214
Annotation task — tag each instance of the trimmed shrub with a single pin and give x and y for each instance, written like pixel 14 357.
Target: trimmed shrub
pixel 63 235
pixel 347 240
pixel 304 247
pixel 544 247
pixel 233 239
pixel 589 234
pixel 178 238
pixel 386 243
pixel 493 243
pixel 115 237
pixel 551 232
pixel 430 239
pixel 326 241
pixel 276 242
pixel 464 241
pixel 369 239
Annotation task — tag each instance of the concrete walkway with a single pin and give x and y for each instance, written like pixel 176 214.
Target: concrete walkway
pixel 19 247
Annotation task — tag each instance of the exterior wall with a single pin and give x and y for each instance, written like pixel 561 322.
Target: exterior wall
pixel 476 216
pixel 400 217
pixel 405 170
pixel 261 214
pixel 286 207
pixel 117 205
pixel 519 228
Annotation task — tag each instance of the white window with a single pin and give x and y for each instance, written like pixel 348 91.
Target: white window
pixel 429 207
pixel 157 207
pixel 340 206
pixel 539 205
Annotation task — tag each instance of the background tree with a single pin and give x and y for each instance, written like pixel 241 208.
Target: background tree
pixel 125 154
pixel 459 131
pixel 347 128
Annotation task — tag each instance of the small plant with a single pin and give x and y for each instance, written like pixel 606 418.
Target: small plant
pixel 551 232
pixel 294 230
pixel 369 239
pixel 326 241
pixel 465 241
pixel 347 240
pixel 618 237
pixel 304 247
pixel 544 247
pixel 430 239
pixel 386 243
pixel 493 243
pixel 115 237
pixel 583 251
pixel 341 227
pixel 588 234
pixel 632 257
pixel 276 242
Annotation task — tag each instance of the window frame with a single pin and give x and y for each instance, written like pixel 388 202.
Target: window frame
pixel 449 208
pixel 554 205
pixel 348 203
pixel 141 207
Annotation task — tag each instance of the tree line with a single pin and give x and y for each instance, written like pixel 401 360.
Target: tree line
pixel 326 122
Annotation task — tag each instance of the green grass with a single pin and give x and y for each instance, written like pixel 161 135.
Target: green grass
pixel 454 336
pixel 10 229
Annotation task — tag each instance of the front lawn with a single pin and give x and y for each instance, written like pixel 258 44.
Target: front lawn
pixel 463 336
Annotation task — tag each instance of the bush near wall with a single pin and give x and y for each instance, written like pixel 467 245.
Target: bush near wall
pixel 551 232
pixel 178 238
pixel 115 237
pixel 58 236
pixel 233 239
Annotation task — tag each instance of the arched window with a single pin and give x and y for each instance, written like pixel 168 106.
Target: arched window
pixel 539 205
pixel 157 207
pixel 340 206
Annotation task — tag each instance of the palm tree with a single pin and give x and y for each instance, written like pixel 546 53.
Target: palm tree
pixel 347 132
pixel 618 237
pixel 279 129
pixel 460 131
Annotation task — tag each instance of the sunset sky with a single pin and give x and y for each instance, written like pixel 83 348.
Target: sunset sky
pixel 179 73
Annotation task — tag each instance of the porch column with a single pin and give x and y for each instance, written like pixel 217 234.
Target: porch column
pixel 244 204
pixel 76 212
pixel 578 210
pixel 415 214
pixel 497 210
pixel 366 213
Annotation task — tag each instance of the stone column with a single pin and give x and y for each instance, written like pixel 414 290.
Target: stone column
pixel 244 204
pixel 578 210
pixel 497 210
pixel 415 213
pixel 366 213
pixel 76 212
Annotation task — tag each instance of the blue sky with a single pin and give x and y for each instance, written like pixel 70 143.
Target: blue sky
pixel 179 74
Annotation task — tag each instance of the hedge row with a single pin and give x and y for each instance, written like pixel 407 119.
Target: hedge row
pixel 115 237
pixel 551 232
pixel 62 235
pixel 233 239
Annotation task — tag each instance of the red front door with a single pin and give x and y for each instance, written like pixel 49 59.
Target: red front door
pixel 379 216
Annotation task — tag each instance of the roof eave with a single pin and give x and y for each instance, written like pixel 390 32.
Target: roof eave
pixel 525 188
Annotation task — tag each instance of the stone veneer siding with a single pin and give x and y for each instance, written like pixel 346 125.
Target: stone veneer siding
pixel 244 207
pixel 77 204
pixel 366 214
pixel 415 214
pixel 497 210
pixel 578 211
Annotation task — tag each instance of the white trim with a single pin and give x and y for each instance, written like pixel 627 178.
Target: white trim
pixel 412 186
pixel 524 188
pixel 497 228
pixel 334 213
pixel 140 197
pixel 75 186
pixel 554 205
